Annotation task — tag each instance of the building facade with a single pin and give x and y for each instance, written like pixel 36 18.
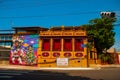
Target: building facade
pixel 62 47
pixel 54 47
pixel 5 45
pixel 6 38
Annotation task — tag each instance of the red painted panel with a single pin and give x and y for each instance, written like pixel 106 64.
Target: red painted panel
pixel 67 54
pixel 56 54
pixel 78 54
pixel 78 45
pixel 57 44
pixel 45 54
pixel 67 44
pixel 46 44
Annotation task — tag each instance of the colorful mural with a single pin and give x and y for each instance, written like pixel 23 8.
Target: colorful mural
pixel 24 50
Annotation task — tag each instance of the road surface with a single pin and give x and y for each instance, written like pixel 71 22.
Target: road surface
pixel 102 74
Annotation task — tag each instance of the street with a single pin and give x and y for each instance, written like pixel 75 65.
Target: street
pixel 102 74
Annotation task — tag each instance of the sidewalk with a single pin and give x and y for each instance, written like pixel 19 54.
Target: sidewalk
pixel 110 65
pixel 20 67
pixel 105 66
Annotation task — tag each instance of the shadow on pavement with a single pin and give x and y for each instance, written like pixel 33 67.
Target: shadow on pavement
pixel 43 75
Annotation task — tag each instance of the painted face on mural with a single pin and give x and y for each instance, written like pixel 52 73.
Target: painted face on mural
pixel 30 47
pixel 16 43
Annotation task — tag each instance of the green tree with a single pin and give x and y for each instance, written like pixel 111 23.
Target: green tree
pixel 100 31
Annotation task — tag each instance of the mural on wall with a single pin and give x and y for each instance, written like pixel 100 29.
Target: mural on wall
pixel 24 50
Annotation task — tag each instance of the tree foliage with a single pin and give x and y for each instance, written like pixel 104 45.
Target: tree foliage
pixel 100 31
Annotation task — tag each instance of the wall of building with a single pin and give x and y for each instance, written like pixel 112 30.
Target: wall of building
pixel 62 49
pixel 5 46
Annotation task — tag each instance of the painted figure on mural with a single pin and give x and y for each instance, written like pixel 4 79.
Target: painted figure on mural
pixel 30 55
pixel 16 52
pixel 17 55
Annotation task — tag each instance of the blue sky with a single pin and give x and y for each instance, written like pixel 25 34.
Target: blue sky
pixel 47 13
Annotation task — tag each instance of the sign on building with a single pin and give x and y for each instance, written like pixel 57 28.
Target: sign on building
pixel 62 61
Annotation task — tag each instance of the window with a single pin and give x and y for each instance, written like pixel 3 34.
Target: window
pixel 8 44
pixel 2 38
pixel 67 44
pixel 56 44
pixel 8 37
pixel 79 45
pixel 45 44
pixel 0 44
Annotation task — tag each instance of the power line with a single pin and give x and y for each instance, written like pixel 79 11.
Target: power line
pixel 66 14
pixel 37 5
pixel 116 25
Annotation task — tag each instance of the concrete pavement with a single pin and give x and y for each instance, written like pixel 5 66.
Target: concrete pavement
pixel 20 67
pixel 110 65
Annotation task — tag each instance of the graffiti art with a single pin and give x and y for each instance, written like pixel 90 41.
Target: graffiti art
pixel 24 50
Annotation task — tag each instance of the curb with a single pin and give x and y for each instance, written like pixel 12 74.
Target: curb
pixel 18 67
pixel 110 66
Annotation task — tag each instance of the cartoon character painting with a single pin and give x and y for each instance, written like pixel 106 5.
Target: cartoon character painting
pixel 24 50
pixel 30 55
pixel 17 55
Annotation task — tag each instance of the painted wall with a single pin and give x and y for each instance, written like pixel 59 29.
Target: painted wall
pixel 66 55
pixel 24 50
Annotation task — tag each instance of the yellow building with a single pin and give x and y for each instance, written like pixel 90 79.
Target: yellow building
pixel 63 47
